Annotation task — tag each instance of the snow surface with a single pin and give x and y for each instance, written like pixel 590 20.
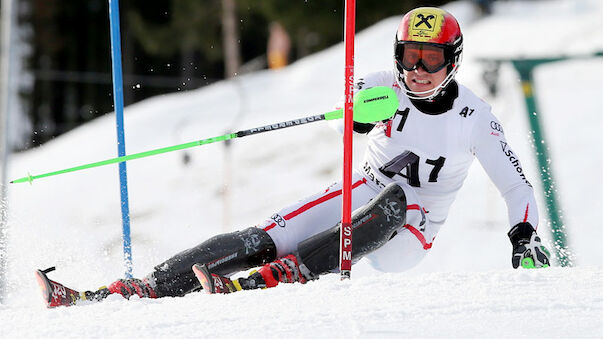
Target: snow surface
pixel 464 288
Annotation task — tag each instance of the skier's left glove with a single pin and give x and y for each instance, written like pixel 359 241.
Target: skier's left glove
pixel 528 251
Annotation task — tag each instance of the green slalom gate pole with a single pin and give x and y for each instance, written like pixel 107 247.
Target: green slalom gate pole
pixel 525 67
pixel 374 104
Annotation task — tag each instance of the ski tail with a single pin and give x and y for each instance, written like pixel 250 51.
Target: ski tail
pixel 54 293
pixel 213 283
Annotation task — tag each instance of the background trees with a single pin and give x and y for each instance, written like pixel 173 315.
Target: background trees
pixel 168 46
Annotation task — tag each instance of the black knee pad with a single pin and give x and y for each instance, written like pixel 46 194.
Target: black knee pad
pixel 373 225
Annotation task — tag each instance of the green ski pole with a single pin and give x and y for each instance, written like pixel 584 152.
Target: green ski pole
pixel 370 105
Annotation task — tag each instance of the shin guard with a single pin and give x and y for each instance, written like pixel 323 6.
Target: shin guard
pixel 373 225
pixel 223 254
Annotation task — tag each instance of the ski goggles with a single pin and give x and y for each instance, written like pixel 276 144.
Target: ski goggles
pixel 430 57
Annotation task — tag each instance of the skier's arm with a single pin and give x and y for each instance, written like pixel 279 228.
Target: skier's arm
pixel 502 165
pixel 490 146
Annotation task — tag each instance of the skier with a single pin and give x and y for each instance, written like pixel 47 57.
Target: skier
pixel 414 165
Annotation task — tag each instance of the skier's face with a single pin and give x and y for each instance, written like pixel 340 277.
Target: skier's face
pixel 418 80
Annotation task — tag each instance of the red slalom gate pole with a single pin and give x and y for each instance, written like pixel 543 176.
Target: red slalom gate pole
pixel 345 253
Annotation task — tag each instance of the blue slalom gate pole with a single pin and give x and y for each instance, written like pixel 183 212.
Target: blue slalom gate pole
pixel 118 101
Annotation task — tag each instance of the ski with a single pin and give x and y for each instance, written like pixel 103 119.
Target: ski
pixel 56 294
pixel 213 283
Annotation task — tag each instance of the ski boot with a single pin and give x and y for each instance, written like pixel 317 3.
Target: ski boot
pixel 284 270
pixel 132 286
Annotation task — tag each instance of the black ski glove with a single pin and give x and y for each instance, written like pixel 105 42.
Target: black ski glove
pixel 528 251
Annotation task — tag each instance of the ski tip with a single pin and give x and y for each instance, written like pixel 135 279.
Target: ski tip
pixel 45 287
pixel 49 269
pixel 55 294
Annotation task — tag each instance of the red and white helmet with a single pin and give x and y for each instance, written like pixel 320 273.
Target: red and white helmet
pixel 430 38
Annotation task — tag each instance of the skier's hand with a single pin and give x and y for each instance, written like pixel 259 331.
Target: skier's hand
pixel 528 251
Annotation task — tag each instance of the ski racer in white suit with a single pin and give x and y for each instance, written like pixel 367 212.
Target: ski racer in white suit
pixel 414 165
pixel 428 154
pixel 427 148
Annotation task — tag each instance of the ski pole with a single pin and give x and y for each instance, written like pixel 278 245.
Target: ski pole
pixel 370 105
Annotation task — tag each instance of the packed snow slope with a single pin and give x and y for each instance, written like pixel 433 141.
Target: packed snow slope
pixel 464 288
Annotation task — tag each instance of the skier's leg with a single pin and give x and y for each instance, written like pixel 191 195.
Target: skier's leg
pixel 308 219
pixel 224 254
pixel 238 251
pixel 411 244
pixel 295 223
pixel 373 226
pixel 313 215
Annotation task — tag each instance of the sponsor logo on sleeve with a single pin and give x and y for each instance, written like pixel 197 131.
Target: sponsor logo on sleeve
pixel 497 129
pixel 514 161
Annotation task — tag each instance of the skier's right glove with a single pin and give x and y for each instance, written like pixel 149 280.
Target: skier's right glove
pixel 528 251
